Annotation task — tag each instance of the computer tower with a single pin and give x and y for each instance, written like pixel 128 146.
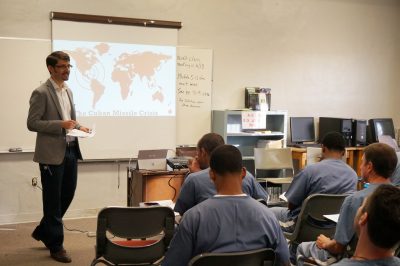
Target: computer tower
pixel 359 132
pixel 341 125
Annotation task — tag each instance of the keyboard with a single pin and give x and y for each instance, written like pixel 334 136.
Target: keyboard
pixel 180 162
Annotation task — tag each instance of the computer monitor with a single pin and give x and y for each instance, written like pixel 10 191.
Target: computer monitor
pixel 379 127
pixel 302 129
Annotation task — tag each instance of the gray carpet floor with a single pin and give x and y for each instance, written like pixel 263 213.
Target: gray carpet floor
pixel 17 247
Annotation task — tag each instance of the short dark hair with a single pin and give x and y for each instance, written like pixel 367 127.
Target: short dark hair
pixel 383 208
pixel 334 141
pixel 226 159
pixel 52 59
pixel 210 141
pixel 383 158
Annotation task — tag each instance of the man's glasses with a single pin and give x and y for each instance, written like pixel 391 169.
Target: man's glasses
pixel 64 66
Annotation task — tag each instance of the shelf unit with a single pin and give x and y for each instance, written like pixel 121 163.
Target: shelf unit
pixel 229 125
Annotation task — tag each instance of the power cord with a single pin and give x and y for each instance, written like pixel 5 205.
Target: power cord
pixel 169 184
pixel 88 233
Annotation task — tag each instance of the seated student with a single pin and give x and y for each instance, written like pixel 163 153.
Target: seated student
pixel 395 178
pixel 329 176
pixel 377 165
pixel 198 186
pixel 230 221
pixel 377 225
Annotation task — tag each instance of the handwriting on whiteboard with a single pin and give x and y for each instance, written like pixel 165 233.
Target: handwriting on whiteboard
pixel 193 82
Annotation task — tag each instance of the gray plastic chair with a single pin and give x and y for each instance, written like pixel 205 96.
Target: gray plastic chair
pixel 132 226
pixel 311 222
pixel 259 257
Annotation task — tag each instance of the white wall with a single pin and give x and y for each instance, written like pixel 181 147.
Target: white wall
pixel 99 185
pixel 336 58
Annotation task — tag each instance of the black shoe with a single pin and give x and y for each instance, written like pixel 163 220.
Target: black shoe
pixel 61 256
pixel 35 235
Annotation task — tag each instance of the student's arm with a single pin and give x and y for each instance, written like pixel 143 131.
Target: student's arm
pixel 281 245
pixel 252 188
pixel 186 199
pixel 298 189
pixel 181 248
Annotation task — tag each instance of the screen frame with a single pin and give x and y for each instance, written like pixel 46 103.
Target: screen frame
pixel 302 140
pixel 373 128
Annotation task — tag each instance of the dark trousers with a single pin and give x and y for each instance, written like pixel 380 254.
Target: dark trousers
pixel 59 184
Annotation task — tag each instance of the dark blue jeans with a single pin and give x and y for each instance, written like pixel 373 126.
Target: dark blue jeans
pixel 59 184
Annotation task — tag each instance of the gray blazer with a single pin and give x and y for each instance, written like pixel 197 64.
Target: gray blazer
pixel 45 118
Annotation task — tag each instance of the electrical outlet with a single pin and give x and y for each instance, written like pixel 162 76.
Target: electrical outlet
pixel 34 181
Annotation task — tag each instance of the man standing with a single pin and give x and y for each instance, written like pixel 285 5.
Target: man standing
pixel 377 225
pixel 377 165
pixel 198 186
pixel 52 115
pixel 229 221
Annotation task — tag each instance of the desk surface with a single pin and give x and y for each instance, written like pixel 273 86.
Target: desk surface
pixel 354 155
pixel 160 172
pixel 347 149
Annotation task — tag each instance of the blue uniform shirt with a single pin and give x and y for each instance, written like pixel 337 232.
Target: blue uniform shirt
pixel 226 224
pixel 198 187
pixel 344 228
pixel 329 176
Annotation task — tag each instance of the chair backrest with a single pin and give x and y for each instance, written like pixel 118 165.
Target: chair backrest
pixel 311 221
pixel 133 225
pixel 257 257
pixel 273 159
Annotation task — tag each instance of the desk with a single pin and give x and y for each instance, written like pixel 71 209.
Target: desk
pixel 354 156
pixel 153 185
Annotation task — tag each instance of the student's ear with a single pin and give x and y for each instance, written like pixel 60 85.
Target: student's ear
pixel 323 148
pixel 212 175
pixel 363 219
pixel 243 172
pixel 369 166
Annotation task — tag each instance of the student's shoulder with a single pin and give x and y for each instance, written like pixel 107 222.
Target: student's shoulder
pixel 249 177
pixel 355 198
pixel 196 175
pixel 201 209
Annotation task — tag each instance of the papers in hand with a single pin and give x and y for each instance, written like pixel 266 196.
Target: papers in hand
pixel 82 134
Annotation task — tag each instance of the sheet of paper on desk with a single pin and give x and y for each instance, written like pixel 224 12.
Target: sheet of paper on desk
pixel 332 217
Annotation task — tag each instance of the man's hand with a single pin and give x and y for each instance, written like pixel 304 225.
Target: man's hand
pixel 193 165
pixel 323 242
pixel 68 124
pixel 85 129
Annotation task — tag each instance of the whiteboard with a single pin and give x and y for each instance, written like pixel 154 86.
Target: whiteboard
pixel 193 102
pixel 24 69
